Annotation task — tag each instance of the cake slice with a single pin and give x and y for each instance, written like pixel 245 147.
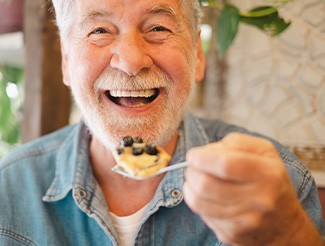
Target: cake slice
pixel 139 159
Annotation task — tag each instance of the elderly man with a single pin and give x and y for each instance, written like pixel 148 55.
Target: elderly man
pixel 132 66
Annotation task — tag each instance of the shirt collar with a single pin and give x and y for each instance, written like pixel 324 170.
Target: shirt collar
pixel 72 165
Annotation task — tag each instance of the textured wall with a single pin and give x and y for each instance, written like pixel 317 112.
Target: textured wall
pixel 277 86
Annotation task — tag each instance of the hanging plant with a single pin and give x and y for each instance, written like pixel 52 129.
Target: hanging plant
pixel 265 18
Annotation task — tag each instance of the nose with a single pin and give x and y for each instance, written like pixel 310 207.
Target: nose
pixel 130 54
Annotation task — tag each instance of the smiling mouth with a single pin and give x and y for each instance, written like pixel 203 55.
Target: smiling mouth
pixel 132 99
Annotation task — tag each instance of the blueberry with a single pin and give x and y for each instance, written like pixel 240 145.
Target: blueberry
pixel 151 149
pixel 138 140
pixel 137 151
pixel 119 150
pixel 127 141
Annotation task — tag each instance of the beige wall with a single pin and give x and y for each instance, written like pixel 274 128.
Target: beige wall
pixel 277 85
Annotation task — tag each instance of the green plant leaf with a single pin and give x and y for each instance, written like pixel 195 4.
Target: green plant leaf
pixel 227 28
pixel 260 11
pixel 271 23
pixel 209 2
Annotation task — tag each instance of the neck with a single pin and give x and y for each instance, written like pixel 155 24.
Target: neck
pixel 124 196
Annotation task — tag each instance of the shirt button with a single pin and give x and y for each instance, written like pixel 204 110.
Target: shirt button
pixel 80 194
pixel 175 193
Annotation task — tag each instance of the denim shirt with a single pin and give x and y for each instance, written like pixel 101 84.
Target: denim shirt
pixel 49 196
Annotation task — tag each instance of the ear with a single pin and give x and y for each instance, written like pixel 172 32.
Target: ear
pixel 65 66
pixel 200 61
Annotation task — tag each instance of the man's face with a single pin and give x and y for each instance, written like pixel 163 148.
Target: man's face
pixel 131 65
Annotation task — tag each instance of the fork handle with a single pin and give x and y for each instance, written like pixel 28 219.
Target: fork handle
pixel 173 167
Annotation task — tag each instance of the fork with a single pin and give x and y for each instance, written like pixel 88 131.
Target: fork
pixel 161 171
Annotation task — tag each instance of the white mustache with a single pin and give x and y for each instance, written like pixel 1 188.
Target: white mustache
pixel 114 80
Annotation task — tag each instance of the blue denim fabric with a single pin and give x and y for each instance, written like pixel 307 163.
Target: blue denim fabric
pixel 49 196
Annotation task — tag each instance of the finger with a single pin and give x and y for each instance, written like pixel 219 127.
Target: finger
pixel 230 223
pixel 227 205
pixel 263 196
pixel 245 142
pixel 206 207
pixel 210 188
pixel 236 166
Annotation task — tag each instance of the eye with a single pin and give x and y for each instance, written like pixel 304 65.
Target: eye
pixel 160 29
pixel 99 30
pixel 101 36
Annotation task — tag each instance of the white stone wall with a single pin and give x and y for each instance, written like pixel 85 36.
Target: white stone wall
pixel 276 86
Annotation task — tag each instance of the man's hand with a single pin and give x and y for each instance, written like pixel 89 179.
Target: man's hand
pixel 242 191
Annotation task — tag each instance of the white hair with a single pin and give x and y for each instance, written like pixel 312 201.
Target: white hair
pixel 65 16
pixel 192 12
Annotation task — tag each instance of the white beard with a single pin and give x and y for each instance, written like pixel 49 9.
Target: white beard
pixel 109 127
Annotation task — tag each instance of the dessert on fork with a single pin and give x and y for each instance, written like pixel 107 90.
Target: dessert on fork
pixel 139 159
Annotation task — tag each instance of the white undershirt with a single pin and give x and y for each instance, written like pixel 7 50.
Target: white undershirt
pixel 126 226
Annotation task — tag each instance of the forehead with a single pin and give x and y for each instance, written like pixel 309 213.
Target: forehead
pixel 122 7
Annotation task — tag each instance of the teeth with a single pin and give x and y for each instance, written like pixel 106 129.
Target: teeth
pixel 142 93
